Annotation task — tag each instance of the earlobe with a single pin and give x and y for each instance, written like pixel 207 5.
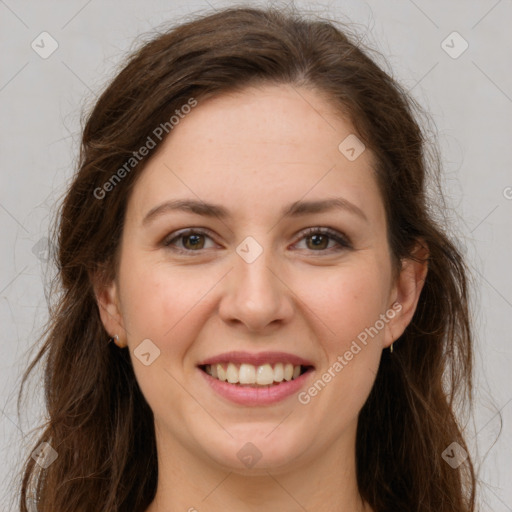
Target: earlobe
pixel 107 299
pixel 407 291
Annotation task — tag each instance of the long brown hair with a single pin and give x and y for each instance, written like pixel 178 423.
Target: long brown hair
pixel 99 423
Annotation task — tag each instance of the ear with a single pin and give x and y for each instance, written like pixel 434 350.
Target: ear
pixel 107 299
pixel 406 291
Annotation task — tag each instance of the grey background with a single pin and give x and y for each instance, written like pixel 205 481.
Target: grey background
pixel 470 101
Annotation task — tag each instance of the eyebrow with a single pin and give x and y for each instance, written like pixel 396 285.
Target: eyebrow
pixel 295 209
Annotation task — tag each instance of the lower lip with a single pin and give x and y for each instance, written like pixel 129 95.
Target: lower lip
pixel 246 395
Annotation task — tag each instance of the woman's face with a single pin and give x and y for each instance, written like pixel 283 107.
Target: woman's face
pixel 251 279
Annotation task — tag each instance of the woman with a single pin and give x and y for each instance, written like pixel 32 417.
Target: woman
pixel 249 225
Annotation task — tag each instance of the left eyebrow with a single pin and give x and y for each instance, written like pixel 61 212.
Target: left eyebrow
pixel 305 207
pixel 295 209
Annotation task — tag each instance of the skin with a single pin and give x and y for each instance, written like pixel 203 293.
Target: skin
pixel 254 152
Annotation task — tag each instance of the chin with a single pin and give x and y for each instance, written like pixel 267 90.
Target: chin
pixel 252 450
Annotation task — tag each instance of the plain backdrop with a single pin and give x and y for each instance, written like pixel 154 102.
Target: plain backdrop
pixel 468 92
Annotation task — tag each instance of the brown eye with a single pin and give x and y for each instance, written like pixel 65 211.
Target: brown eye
pixel 187 241
pixel 193 241
pixel 318 240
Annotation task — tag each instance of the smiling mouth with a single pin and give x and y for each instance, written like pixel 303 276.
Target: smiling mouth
pixel 245 374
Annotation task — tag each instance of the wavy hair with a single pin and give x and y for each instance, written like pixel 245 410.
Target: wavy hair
pixel 98 420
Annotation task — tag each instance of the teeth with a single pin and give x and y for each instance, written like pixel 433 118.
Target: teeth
pixel 278 372
pixel 264 374
pixel 221 373
pixel 232 374
pixel 288 371
pixel 248 374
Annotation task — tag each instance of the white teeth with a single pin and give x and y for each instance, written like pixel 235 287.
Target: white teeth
pixel 248 374
pixel 232 374
pixel 278 372
pixel 221 373
pixel 288 371
pixel 265 375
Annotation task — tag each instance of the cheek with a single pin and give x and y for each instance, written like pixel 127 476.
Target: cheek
pixel 162 303
pixel 346 301
pixel 167 306
pixel 347 306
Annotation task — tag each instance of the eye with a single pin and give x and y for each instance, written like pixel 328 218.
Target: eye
pixel 319 239
pixel 191 240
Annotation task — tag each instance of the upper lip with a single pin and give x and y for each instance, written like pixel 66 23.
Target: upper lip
pixel 256 359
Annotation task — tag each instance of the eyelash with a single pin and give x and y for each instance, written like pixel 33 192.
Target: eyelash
pixel 342 241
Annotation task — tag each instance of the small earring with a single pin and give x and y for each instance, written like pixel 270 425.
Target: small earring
pixel 115 339
pixel 391 348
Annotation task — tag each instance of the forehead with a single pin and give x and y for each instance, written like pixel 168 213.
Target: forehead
pixel 258 149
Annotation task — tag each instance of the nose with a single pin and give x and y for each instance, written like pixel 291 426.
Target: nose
pixel 255 295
